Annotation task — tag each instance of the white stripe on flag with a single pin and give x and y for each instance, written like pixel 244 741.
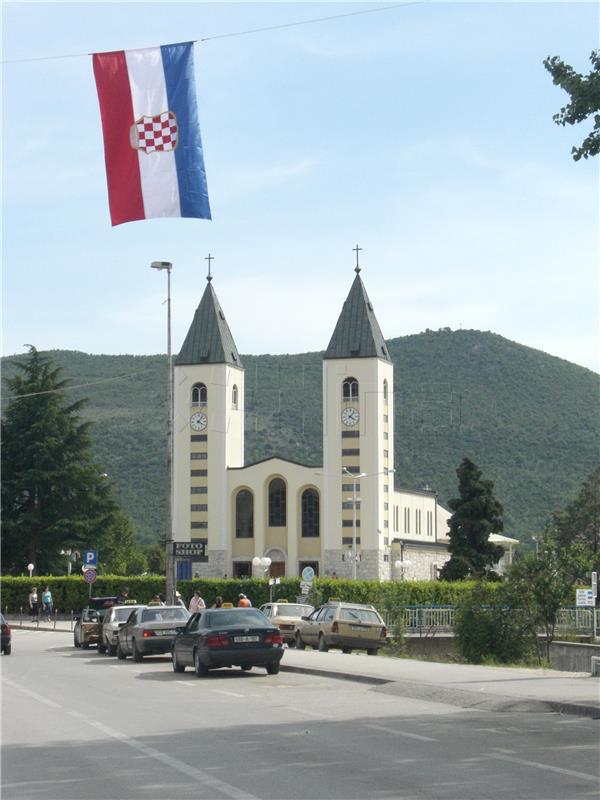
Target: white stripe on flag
pixel 158 172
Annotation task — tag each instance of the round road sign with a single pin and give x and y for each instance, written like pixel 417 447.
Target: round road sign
pixel 308 574
pixel 89 576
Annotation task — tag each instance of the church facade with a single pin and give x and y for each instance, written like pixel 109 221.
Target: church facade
pixel 344 517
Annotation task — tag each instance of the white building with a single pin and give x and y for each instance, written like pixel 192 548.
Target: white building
pixel 343 516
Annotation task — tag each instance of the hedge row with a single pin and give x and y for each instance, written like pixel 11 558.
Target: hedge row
pixel 71 593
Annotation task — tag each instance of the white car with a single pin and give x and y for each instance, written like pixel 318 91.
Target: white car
pixel 115 618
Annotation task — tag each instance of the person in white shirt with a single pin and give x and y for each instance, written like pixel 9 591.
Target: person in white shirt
pixel 196 603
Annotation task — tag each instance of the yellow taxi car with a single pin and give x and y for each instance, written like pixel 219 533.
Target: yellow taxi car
pixel 286 616
pixel 345 625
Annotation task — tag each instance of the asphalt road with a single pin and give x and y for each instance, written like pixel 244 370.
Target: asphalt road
pixel 79 725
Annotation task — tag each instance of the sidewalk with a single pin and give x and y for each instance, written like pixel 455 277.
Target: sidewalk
pixel 463 685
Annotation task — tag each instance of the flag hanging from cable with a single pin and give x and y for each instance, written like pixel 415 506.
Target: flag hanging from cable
pixel 152 144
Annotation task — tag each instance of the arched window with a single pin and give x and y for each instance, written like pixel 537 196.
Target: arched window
pixel 277 503
pixel 385 390
pixel 310 513
pixel 350 389
pixel 244 514
pixel 198 394
pixel 234 396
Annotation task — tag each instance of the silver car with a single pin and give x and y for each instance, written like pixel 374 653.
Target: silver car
pixel 114 619
pixel 150 630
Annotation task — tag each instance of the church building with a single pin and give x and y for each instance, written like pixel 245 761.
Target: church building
pixel 344 517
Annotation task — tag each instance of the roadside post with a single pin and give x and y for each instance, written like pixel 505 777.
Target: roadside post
pixel 595 611
pixel 273 582
pixel 308 576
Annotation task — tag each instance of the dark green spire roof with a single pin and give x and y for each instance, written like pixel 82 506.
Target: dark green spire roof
pixel 357 333
pixel 209 340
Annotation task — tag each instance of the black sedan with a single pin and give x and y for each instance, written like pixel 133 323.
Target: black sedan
pixel 227 637
pixel 150 630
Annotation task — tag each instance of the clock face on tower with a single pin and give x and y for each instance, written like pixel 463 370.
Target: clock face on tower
pixel 198 421
pixel 350 416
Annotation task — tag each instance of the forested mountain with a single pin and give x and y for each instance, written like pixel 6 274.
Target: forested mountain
pixel 529 420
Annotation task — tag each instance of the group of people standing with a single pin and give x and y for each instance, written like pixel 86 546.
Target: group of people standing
pixel 197 603
pixel 45 606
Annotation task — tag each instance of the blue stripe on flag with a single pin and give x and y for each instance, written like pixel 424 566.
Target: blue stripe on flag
pixel 178 63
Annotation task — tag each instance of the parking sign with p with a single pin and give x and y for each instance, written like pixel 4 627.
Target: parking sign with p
pixel 90 559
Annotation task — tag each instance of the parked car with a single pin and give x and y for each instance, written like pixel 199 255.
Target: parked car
pixel 227 637
pixel 6 636
pixel 150 630
pixel 114 619
pixel 286 615
pixel 344 625
pixel 87 623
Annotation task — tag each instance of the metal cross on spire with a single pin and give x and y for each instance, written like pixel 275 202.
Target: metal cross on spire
pixel 209 258
pixel 357 267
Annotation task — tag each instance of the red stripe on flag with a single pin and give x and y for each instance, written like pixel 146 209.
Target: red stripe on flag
pixel 116 109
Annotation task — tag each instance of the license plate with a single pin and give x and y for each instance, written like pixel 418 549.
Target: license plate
pixel 357 628
pixel 246 638
pixel 167 632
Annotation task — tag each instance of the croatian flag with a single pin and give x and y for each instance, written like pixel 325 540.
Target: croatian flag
pixel 152 145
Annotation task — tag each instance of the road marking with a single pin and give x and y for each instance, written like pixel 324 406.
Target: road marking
pixel 311 713
pixel 583 775
pixel 401 733
pixel 180 766
pixel 40 698
pixel 229 694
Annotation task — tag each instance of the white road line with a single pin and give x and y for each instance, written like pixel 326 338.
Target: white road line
pixel 229 694
pixel 180 766
pixel 40 698
pixel 401 733
pixel 547 767
pixel 311 713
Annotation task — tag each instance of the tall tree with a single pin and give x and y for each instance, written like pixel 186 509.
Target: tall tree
pixel 53 494
pixel 584 91
pixel 476 515
pixel 580 521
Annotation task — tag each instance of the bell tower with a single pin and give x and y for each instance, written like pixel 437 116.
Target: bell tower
pixel 358 441
pixel 208 433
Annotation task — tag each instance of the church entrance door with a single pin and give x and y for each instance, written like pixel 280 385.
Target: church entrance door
pixel 277 569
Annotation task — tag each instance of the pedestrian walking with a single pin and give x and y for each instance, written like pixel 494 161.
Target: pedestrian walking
pixel 244 602
pixel 218 602
pixel 34 604
pixel 179 600
pixel 47 603
pixel 196 603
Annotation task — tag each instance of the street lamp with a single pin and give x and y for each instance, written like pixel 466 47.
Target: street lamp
pixel 264 562
pixel 169 557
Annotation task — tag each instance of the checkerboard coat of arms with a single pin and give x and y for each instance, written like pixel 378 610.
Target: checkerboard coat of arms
pixel 158 133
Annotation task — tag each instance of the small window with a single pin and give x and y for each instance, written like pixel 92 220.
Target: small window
pixel 234 397
pixel 277 503
pixel 244 514
pixel 199 490
pixel 385 390
pixel 350 389
pixel 199 394
pixel 310 514
pixel 348 523
pixel 350 451
pixel 198 456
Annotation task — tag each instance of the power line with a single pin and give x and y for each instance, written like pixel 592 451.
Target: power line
pixel 242 33
pixel 77 386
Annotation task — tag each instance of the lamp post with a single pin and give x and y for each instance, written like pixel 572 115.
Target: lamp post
pixel 264 562
pixel 403 563
pixel 169 557
pixel 354 478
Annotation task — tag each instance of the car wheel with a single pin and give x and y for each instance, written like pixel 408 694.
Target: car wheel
pixel 322 646
pixel 200 669
pixel 246 667
pixel 135 653
pixel 85 645
pixel 177 667
pixel 7 649
pixel 300 644
pixel 291 643
pixel 346 649
pixel 120 652
pixel 372 651
pixel 101 648
pixel 273 668
pixel 111 649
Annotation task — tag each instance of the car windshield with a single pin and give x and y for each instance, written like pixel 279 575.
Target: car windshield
pixel 164 614
pixel 359 615
pixel 122 614
pixel 293 610
pixel 235 618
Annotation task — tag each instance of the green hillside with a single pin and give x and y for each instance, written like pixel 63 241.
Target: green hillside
pixel 528 419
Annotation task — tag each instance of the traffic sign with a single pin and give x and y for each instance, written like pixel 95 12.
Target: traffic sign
pixel 90 558
pixel 584 597
pixel 90 575
pixel 308 574
pixel 305 587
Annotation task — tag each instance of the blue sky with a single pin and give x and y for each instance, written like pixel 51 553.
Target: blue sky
pixel 422 133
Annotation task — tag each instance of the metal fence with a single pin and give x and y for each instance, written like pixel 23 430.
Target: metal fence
pixel 576 620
